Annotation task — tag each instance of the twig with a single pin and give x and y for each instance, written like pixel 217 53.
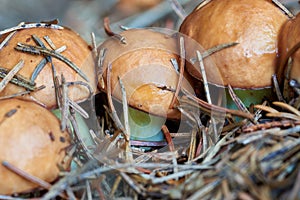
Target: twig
pixel 94 46
pixel 29 177
pixel 214 49
pixel 89 191
pixel 64 104
pixel 22 93
pixel 110 103
pixel 237 100
pixel 109 32
pixel 283 8
pixel 277 88
pixel 126 122
pixel 168 138
pixel 115 186
pixel 43 63
pixel 10 35
pixel 218 109
pixel 31 25
pixel 181 71
pixel 18 80
pixel 287 107
pixel 177 7
pixel 207 94
pixel 49 52
pixel 192 149
pixel 10 75
pixel 50 42
pixel 202 4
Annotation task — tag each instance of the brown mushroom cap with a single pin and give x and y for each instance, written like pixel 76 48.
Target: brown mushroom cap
pixel 31 140
pixel 77 51
pixel 253 24
pixel 290 37
pixel 144 65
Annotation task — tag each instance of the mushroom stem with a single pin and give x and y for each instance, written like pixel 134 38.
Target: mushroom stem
pixel 83 130
pixel 144 126
pixel 248 97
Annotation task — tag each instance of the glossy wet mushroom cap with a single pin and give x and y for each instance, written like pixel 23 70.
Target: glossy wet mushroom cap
pixel 144 65
pixel 254 25
pixel 77 51
pixel 31 140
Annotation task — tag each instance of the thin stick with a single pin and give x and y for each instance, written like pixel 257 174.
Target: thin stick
pixel 88 189
pixel 177 7
pixel 64 104
pixel 287 107
pixel 43 63
pixel 202 4
pixel 203 73
pixel 216 108
pixel 192 148
pixel 277 88
pixel 18 80
pixel 126 122
pixel 50 42
pixel 214 49
pixel 168 138
pixel 31 25
pixel 5 41
pixel 115 186
pixel 109 32
pixel 110 103
pixel 181 71
pixel 132 184
pixel 49 52
pixel 22 93
pixel 78 109
pixel 10 75
pixel 99 69
pixel 207 93
pixel 237 100
pixel 26 176
pixel 283 8
pixel 175 64
pixel 94 46
pixel 125 109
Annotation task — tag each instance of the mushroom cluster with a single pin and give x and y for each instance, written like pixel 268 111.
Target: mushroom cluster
pixel 51 67
pixel 44 67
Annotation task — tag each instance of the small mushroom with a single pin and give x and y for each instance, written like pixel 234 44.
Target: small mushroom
pixel 77 53
pixel 248 66
pixel 30 140
pixel 142 60
pixel 289 49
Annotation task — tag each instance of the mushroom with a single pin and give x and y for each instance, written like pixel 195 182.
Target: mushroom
pixel 23 46
pixel 130 7
pixel 142 60
pixel 248 66
pixel 30 140
pixel 289 48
